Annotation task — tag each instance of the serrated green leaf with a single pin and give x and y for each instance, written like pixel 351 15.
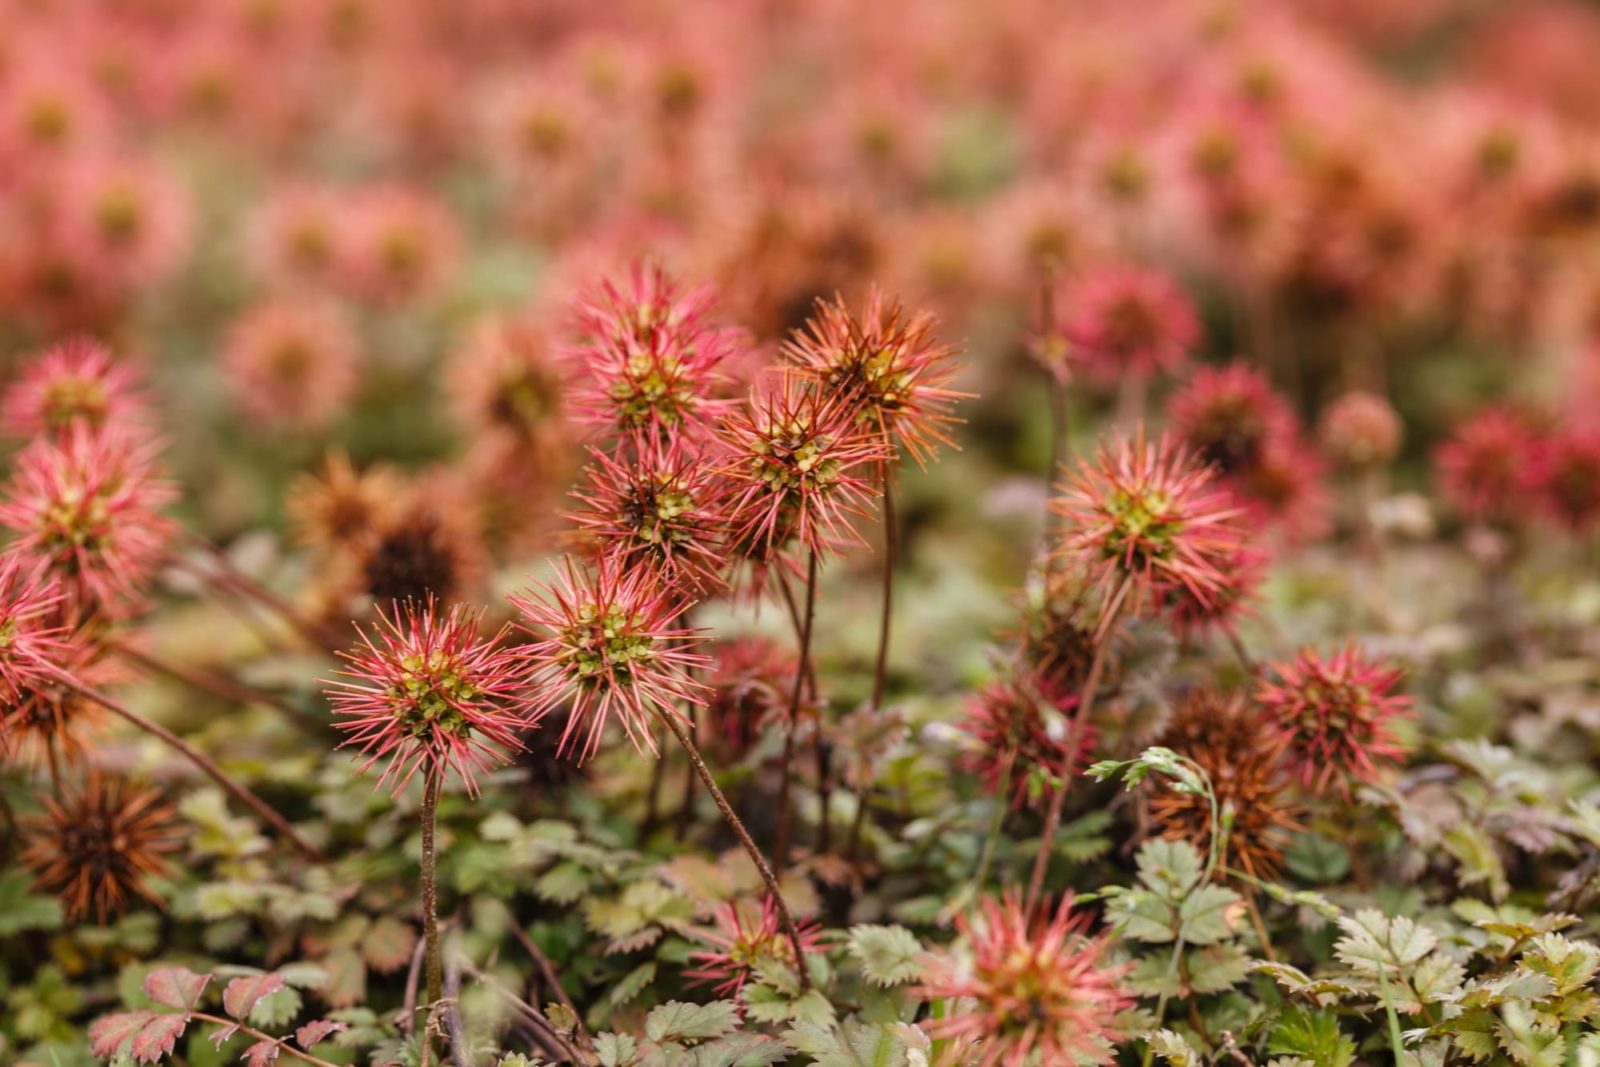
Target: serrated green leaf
pixel 677 1021
pixel 888 954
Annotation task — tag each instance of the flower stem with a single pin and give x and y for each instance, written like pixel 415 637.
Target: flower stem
pixel 430 893
pixel 198 758
pixel 1058 799
pixel 793 718
pixel 734 823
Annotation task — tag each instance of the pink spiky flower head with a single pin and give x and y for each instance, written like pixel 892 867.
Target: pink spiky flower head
pixel 1127 320
pixel 659 511
pixel 1490 467
pixel 87 506
pixel 1022 727
pixel 292 363
pixel 800 462
pixel 1571 477
pixel 1360 431
pixel 648 357
pixel 743 942
pixel 424 692
pixel 608 641
pixel 1332 716
pixel 1031 993
pixel 888 363
pixel 33 643
pixel 1151 517
pixel 77 381
pixel 1229 416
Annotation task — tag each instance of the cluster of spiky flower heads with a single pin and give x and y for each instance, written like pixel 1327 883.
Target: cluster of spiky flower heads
pixel 1128 321
pixel 77 381
pixel 801 462
pixel 423 691
pixel 659 510
pixel 888 363
pixel 96 846
pixel 1332 717
pixel 744 941
pixel 648 357
pixel 1033 992
pixel 86 505
pixel 1151 517
pixel 608 641
pixel 1226 735
pixel 1025 739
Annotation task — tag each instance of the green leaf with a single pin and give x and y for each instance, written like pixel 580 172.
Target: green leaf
pixel 21 909
pixel 1317 859
pixel 677 1021
pixel 1312 1035
pixel 563 883
pixel 1169 868
pixel 1210 914
pixel 741 1050
pixel 888 954
pixel 615 1050
pixel 1174 1050
pixel 1373 942
pixel 634 983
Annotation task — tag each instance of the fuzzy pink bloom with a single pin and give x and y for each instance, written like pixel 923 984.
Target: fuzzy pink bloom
pixel 403 245
pixel 48 108
pixel 1332 716
pixel 609 642
pixel 888 364
pixel 1229 416
pixel 660 511
pixel 1570 483
pixel 1153 516
pixel 802 466
pixel 648 357
pixel 1021 727
pixel 129 217
pixel 1129 321
pixel 427 693
pixel 1489 469
pixel 299 235
pixel 1360 431
pixel 741 944
pixel 87 505
pixel 292 364
pixel 1039 989
pixel 77 381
